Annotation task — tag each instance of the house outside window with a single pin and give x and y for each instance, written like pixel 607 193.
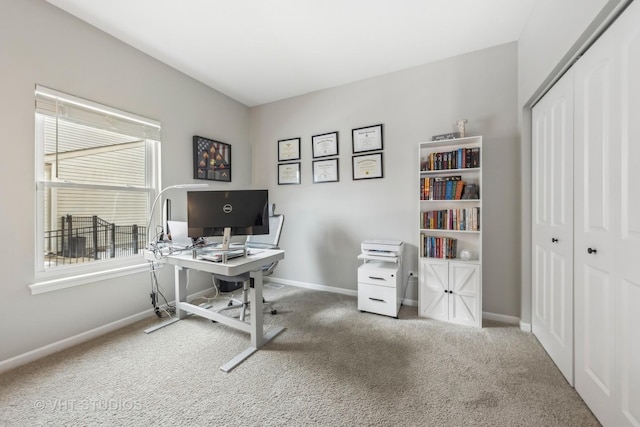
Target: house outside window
pixel 97 171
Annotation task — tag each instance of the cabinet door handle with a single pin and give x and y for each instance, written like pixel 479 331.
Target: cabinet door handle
pixel 591 251
pixel 376 299
pixel 376 278
pixel 554 240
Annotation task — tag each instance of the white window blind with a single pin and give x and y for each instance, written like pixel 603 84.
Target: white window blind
pixel 98 172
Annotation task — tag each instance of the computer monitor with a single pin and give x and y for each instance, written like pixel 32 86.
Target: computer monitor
pixel 226 213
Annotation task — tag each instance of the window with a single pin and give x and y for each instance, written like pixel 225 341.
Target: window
pixel 97 170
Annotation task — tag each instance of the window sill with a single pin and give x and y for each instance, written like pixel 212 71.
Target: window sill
pixel 82 279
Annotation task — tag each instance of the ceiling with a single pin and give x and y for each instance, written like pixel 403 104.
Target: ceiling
pixel 259 51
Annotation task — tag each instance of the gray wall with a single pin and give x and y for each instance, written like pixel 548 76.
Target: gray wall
pixel 555 33
pixel 39 44
pixel 325 223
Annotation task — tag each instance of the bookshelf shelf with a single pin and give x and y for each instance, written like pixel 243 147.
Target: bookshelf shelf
pixel 450 288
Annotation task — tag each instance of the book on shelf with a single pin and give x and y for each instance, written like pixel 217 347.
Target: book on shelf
pixel 462 219
pixel 438 247
pixel 460 158
pixel 442 188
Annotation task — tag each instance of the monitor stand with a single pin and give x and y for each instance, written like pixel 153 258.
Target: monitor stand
pixel 226 238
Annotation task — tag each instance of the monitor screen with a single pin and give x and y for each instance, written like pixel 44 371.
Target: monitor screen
pixel 242 212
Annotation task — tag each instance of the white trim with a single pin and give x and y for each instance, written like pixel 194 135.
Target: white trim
pixel 83 279
pixel 57 346
pixel 311 286
pixel 63 344
pixel 511 320
pixel 99 108
pixel 525 326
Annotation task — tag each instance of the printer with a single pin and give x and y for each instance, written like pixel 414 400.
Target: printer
pixel 385 248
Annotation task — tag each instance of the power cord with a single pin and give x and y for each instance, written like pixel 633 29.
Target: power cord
pixel 156 293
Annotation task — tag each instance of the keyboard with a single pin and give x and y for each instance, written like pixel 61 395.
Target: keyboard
pixel 217 257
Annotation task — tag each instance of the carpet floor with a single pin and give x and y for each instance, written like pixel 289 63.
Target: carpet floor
pixel 332 366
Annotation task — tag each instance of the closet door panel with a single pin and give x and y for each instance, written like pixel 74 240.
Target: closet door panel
pixel 628 350
pixel 628 249
pixel 596 183
pixel 552 230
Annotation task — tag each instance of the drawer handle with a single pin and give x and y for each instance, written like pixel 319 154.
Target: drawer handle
pixel 376 278
pixel 376 299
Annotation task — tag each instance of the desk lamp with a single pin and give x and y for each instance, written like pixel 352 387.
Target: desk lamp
pixel 153 207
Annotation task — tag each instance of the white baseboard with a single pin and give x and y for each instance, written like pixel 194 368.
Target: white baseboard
pixel 57 346
pixel 511 320
pixel 313 286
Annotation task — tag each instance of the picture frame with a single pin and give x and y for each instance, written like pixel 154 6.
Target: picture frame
pixel 211 159
pixel 288 149
pixel 289 173
pixel 369 138
pixel 325 145
pixel 325 171
pixel 367 166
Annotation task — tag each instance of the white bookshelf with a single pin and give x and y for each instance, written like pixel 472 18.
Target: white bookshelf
pixel 450 287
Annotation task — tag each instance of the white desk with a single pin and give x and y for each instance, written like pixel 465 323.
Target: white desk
pixel 235 270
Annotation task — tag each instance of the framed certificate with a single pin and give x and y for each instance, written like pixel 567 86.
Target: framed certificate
pixel 325 145
pixel 325 170
pixel 289 149
pixel 367 139
pixel 367 166
pixel 289 173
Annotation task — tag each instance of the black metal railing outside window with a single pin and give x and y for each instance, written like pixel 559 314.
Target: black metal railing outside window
pixel 81 239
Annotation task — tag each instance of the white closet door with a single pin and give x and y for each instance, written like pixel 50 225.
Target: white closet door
pixel 607 244
pixel 552 232
pixel 627 250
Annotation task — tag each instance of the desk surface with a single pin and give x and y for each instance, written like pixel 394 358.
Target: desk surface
pixel 233 267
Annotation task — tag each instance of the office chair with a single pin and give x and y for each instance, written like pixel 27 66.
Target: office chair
pixel 260 241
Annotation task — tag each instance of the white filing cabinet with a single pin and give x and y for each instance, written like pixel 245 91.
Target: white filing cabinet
pixel 380 277
pixel 380 287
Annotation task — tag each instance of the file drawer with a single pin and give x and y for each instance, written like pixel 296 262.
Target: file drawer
pixel 379 273
pixel 378 299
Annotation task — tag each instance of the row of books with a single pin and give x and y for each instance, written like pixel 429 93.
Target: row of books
pixel 442 188
pixel 465 219
pixel 462 158
pixel 438 247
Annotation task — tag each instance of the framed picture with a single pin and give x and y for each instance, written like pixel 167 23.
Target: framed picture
pixel 211 159
pixel 289 173
pixel 367 139
pixel 325 145
pixel 288 149
pixel 367 166
pixel 325 171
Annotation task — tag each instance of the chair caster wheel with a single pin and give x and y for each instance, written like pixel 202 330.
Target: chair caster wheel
pixel 230 304
pixel 274 311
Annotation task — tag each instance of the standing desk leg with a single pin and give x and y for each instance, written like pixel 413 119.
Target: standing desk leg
pixel 181 291
pixel 257 313
pixel 181 295
pixel 258 339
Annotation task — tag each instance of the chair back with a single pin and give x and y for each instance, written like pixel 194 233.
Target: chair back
pixel 268 241
pixel 271 240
